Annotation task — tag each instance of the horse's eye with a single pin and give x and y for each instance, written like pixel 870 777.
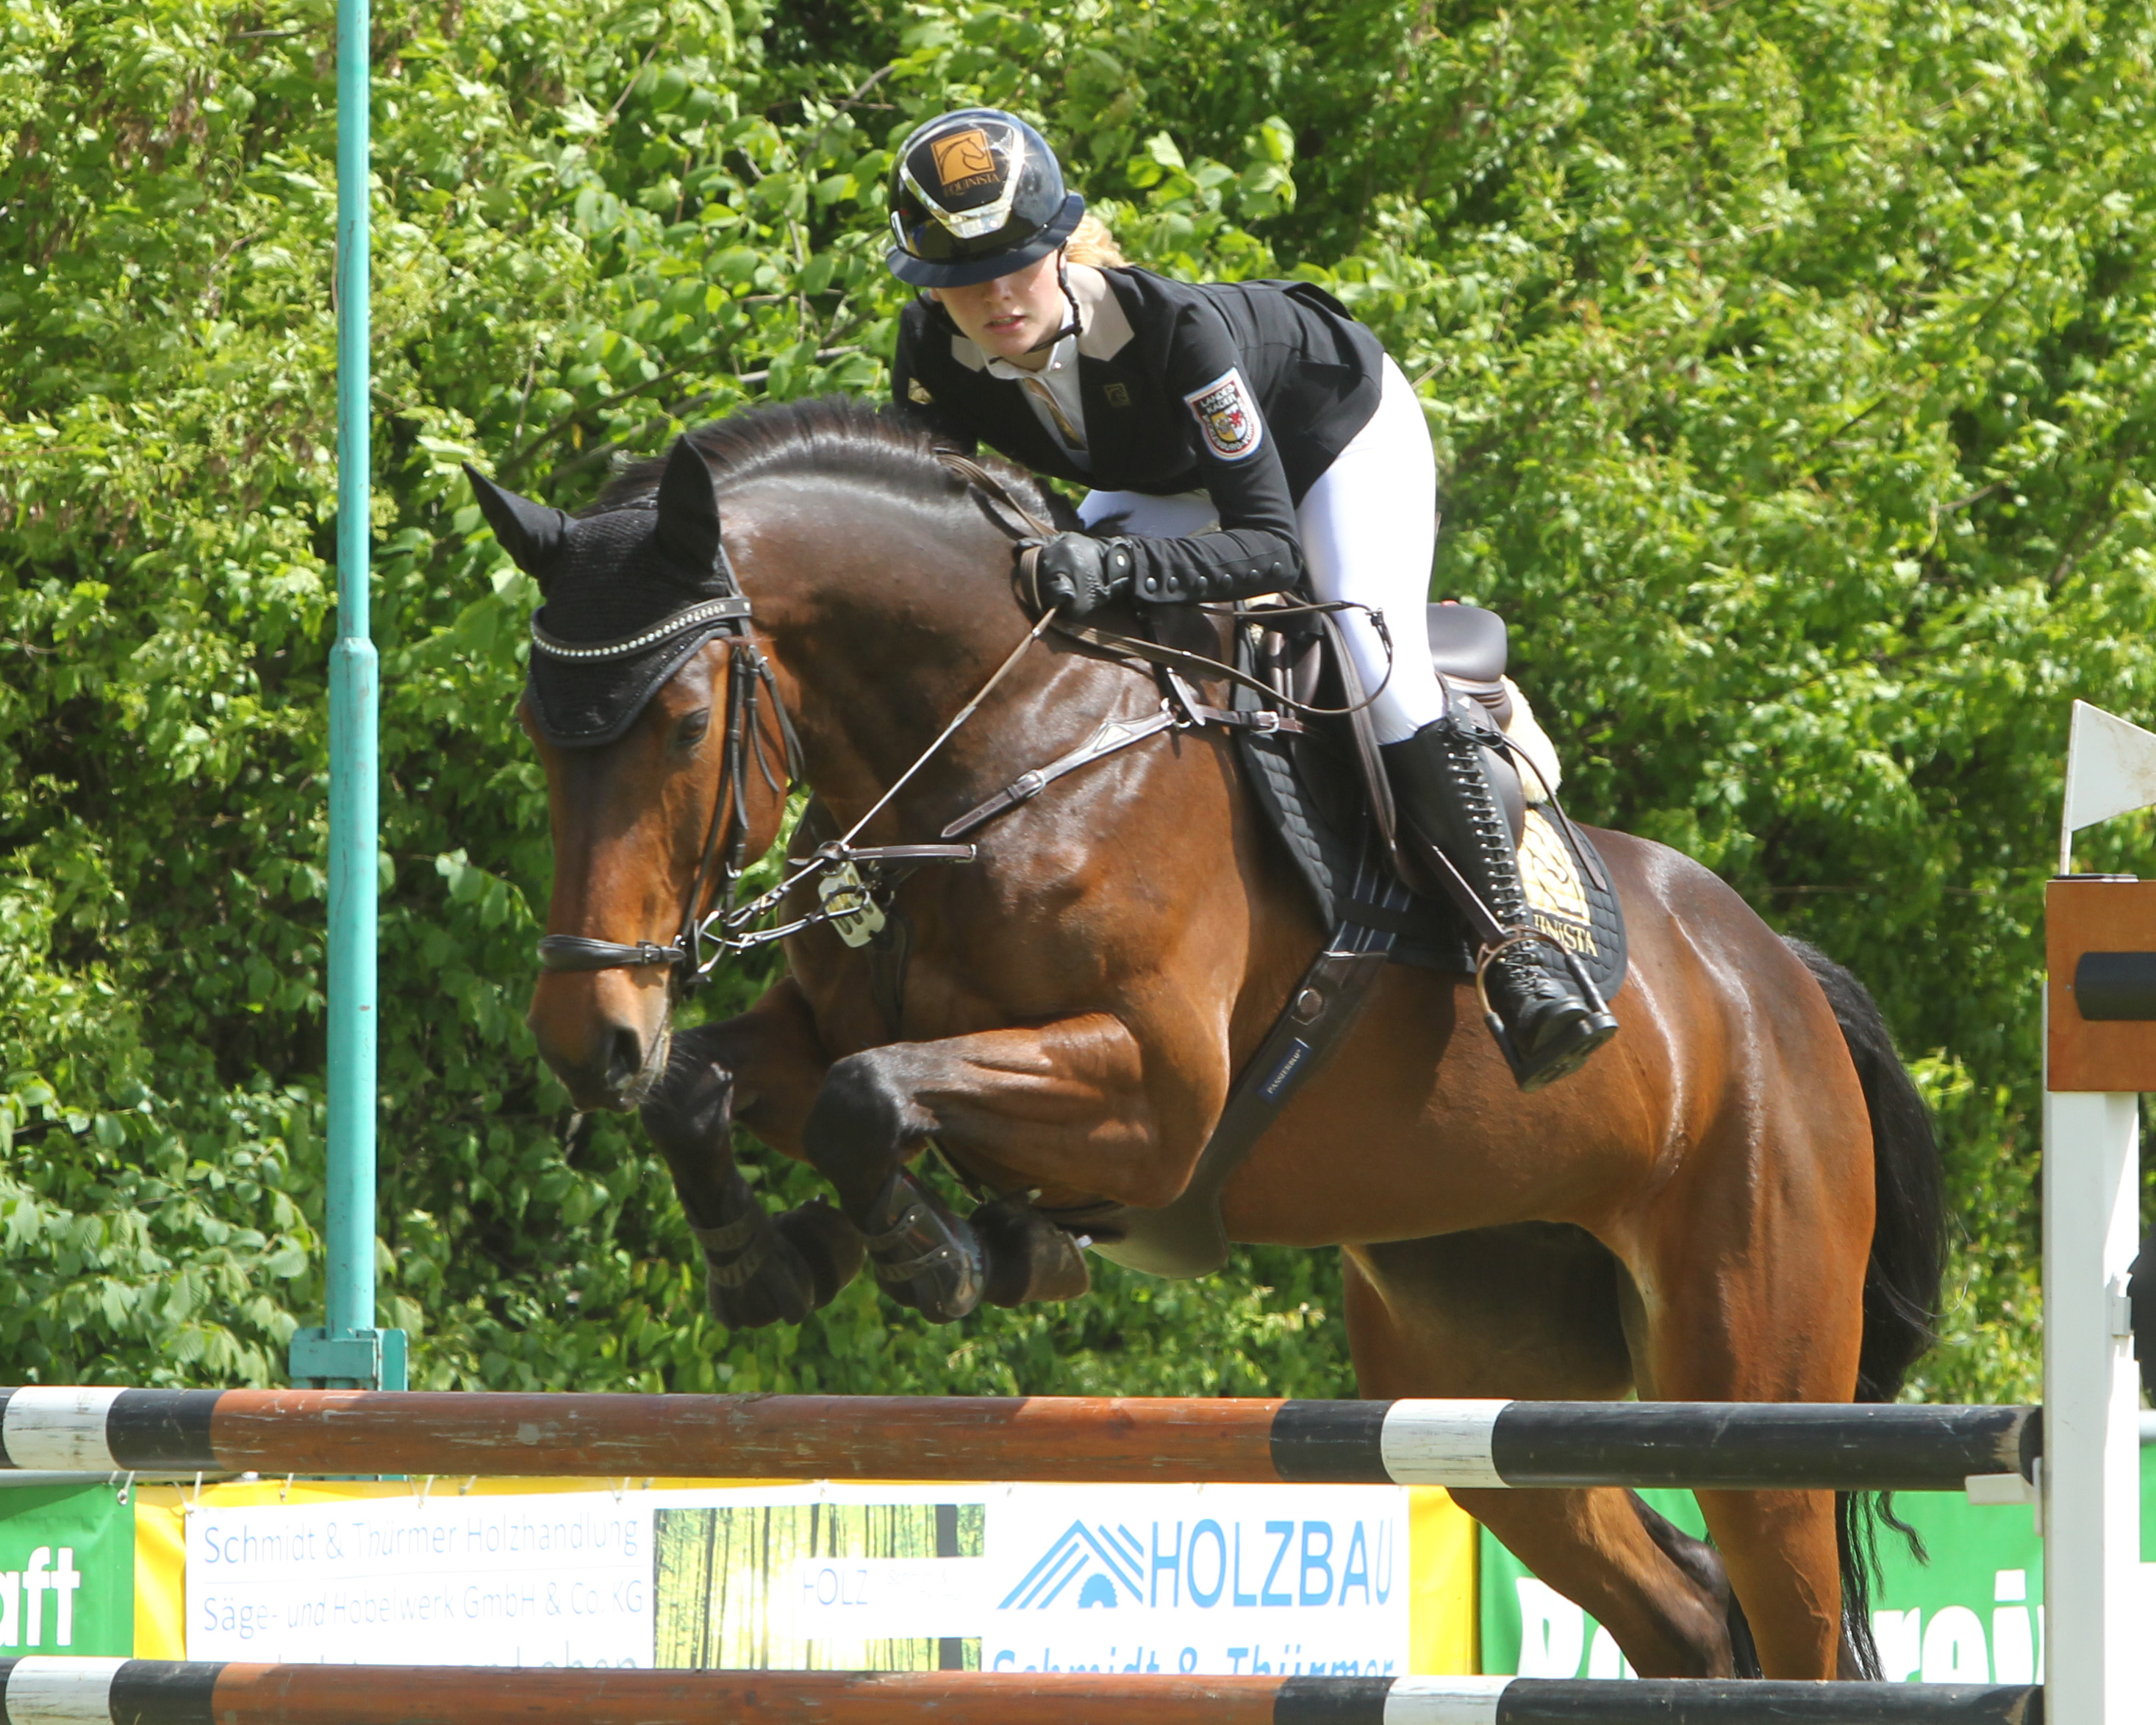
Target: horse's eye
pixel 691 731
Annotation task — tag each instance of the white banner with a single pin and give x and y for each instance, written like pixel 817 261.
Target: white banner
pixel 552 1580
pixel 1214 1579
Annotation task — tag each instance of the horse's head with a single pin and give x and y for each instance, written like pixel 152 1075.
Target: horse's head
pixel 664 760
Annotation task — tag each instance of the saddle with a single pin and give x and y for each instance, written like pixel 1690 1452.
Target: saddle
pixel 1322 785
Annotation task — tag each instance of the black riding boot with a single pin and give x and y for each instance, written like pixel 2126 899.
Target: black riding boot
pixel 1546 1024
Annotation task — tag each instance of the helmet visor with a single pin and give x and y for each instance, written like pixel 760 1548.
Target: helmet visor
pixel 924 236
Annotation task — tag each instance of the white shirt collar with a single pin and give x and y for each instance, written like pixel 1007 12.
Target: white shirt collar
pixel 1062 357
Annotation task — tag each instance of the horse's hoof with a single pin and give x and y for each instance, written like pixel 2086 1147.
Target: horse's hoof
pixel 753 1274
pixel 831 1246
pixel 1028 1257
pixel 924 1256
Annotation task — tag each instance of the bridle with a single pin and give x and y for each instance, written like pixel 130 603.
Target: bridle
pixel 849 876
pixel 704 938
pixel 745 740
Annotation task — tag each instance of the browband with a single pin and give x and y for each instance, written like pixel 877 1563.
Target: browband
pixel 697 615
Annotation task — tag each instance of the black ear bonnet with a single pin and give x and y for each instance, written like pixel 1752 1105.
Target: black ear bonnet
pixel 630 594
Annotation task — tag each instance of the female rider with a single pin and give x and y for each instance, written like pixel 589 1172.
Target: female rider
pixel 1242 438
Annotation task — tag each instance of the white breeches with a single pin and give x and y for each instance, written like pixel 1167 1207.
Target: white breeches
pixel 1369 528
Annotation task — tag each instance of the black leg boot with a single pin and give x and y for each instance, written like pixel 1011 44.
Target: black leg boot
pixel 1547 1026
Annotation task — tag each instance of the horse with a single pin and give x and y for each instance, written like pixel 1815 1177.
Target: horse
pixel 1739 1199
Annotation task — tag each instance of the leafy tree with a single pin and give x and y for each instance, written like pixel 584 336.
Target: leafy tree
pixel 1788 367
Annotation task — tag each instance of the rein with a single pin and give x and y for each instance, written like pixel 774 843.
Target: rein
pixel 849 900
pixel 1157 653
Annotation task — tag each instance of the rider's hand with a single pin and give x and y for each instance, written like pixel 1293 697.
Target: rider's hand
pixel 1077 573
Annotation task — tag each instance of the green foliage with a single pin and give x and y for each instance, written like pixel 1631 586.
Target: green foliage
pixel 1788 366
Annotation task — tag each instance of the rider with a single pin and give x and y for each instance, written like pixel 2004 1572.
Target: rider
pixel 1240 438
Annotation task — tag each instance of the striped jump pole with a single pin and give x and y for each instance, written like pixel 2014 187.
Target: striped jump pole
pixel 1730 1446
pixel 93 1691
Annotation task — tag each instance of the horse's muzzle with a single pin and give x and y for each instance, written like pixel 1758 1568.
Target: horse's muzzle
pixel 607 1044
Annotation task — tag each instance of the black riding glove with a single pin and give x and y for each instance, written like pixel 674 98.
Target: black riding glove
pixel 1079 573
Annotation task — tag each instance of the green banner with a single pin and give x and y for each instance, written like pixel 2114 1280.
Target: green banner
pixel 67 1572
pixel 1972 1614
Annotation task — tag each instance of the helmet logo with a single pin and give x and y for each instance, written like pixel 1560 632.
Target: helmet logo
pixel 964 161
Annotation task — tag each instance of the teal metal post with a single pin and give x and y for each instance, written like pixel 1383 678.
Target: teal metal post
pixel 349 1350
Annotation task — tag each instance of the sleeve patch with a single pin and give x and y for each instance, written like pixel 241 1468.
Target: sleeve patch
pixel 1228 416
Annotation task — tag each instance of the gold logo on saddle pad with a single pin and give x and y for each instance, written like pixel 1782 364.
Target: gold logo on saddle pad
pixel 1556 897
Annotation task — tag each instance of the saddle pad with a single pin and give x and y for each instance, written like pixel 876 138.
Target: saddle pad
pixel 1309 790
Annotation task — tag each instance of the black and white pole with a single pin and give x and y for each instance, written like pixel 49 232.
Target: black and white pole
pixel 111 1691
pixel 1460 1444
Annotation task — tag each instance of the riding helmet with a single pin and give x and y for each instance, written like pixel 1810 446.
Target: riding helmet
pixel 975 195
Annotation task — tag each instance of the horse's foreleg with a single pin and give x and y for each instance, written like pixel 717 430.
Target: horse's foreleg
pixel 763 1069
pixel 1058 1104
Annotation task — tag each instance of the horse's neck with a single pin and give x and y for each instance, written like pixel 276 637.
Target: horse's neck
pixel 889 621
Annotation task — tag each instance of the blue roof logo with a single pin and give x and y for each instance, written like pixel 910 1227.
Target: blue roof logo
pixel 1112 1564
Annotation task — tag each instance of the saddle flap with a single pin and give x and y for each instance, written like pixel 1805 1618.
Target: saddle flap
pixel 1466 642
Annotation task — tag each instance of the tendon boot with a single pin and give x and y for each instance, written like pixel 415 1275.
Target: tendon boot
pixel 1547 1025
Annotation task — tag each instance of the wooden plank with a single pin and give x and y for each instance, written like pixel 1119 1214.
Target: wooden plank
pixel 409 1695
pixel 2095 916
pixel 1103 1439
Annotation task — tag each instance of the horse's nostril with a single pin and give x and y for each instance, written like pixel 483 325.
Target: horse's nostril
pixel 624 1058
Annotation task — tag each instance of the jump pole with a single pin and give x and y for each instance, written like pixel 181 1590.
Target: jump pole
pixel 348 1349
pixel 86 1691
pixel 1991 1452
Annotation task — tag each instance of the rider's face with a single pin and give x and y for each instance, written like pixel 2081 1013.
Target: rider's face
pixel 1012 314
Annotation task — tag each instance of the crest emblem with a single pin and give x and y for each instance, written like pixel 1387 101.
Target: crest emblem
pixel 964 161
pixel 1227 416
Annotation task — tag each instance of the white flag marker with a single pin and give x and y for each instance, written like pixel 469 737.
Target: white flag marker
pixel 2111 769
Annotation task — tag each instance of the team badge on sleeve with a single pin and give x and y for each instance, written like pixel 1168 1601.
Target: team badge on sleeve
pixel 1228 416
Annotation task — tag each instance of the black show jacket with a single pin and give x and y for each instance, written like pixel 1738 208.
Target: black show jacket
pixel 1171 376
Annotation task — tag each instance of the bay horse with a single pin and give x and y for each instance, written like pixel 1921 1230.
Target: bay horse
pixel 1738 1200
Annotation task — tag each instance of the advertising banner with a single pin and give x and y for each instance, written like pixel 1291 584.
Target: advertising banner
pixel 1211 1579
pixel 559 1579
pixel 1219 1579
pixel 67 1572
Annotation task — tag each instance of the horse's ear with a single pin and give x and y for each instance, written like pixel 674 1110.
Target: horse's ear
pixel 689 511
pixel 530 532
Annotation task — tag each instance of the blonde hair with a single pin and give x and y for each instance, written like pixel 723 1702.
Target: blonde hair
pixel 1091 243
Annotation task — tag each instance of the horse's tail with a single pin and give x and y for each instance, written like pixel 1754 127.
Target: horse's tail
pixel 1902 1281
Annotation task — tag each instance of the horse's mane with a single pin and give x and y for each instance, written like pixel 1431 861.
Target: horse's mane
pixel 836 436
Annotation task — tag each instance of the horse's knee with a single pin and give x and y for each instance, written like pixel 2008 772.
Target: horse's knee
pixel 690 1109
pixel 862 1117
